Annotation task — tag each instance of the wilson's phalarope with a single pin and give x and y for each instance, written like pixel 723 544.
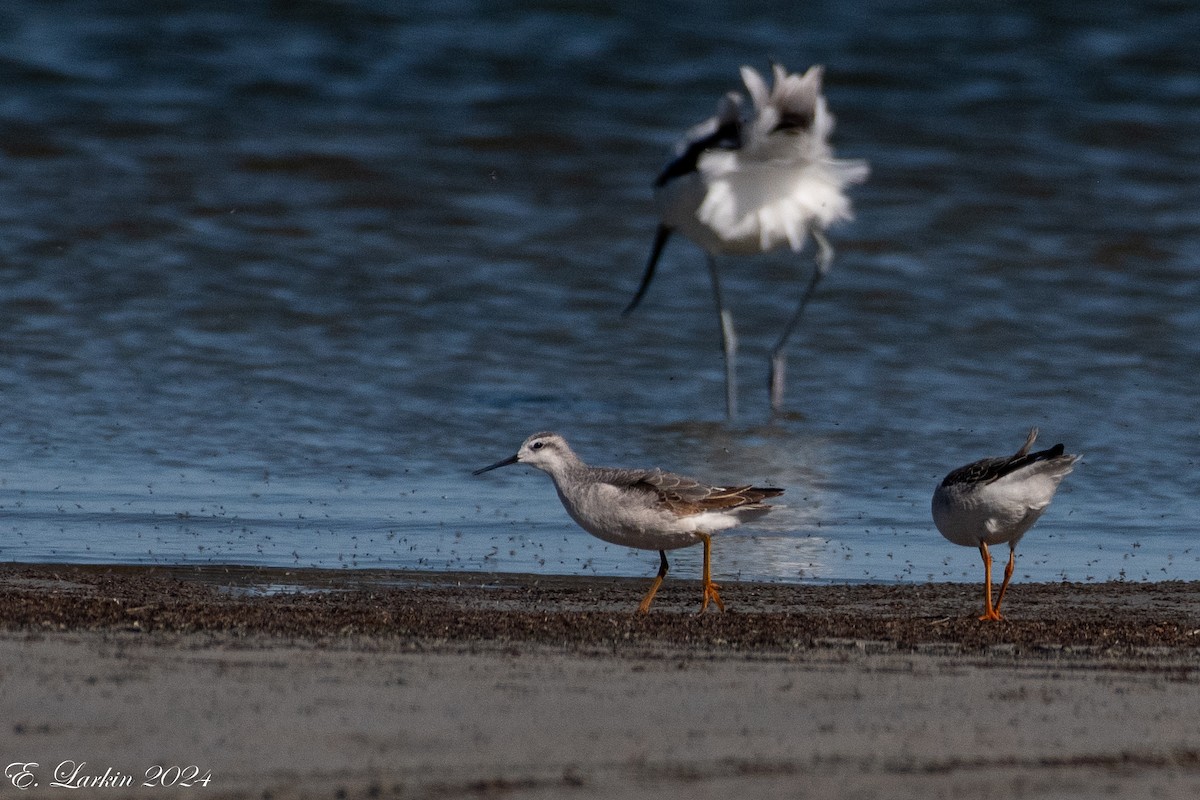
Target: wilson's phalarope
pixel 744 186
pixel 996 500
pixel 643 508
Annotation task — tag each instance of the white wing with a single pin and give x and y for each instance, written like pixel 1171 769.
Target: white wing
pixel 784 177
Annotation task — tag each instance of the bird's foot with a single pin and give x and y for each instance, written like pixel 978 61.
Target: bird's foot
pixel 710 593
pixel 991 615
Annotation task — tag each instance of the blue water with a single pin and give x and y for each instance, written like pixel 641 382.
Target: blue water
pixel 275 277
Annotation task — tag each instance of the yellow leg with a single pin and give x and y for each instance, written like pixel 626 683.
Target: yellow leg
pixel 989 611
pixel 1008 571
pixel 644 608
pixel 710 588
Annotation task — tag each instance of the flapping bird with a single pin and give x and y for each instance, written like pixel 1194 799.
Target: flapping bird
pixel 747 184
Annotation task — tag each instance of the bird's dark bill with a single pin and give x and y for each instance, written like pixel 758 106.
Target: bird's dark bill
pixel 504 463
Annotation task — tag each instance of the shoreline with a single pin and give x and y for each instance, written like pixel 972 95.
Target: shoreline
pixel 294 684
pixel 1115 620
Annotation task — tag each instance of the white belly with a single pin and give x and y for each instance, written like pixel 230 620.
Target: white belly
pixel 608 514
pixel 992 514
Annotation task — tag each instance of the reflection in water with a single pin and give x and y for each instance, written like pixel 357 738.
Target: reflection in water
pixel 771 558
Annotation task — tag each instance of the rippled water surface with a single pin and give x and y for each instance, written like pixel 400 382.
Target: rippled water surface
pixel 275 278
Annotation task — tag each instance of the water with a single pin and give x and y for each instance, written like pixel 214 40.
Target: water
pixel 275 278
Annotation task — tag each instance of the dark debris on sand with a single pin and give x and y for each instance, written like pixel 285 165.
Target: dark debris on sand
pixel 437 609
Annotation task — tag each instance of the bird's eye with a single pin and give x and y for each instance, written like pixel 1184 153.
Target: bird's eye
pixel 537 445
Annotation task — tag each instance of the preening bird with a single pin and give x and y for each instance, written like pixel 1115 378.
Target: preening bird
pixel 996 500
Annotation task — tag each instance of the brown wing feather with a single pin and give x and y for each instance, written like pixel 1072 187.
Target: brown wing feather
pixel 686 496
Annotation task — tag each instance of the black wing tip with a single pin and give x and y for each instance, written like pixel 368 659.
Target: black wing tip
pixel 989 470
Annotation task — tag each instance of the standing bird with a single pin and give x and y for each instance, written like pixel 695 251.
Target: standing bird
pixel 996 500
pixel 644 508
pixel 743 186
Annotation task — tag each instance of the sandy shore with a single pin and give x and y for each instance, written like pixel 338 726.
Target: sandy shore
pixel 285 683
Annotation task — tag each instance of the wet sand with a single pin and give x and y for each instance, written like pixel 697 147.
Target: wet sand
pixel 295 683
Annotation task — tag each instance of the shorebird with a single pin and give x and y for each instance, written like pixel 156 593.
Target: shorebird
pixel 646 509
pixel 740 186
pixel 997 500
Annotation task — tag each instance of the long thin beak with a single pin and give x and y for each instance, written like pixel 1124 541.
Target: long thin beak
pixel 660 241
pixel 504 463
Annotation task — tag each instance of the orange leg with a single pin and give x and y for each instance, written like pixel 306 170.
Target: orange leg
pixel 644 608
pixel 1008 571
pixel 710 588
pixel 989 611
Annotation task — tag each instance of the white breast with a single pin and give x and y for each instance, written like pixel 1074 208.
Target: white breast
pixel 626 518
